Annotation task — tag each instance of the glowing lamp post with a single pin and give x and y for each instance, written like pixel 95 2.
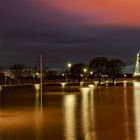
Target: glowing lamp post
pixel 41 67
pixel 91 74
pixel 69 66
pixel 85 71
pixel 63 77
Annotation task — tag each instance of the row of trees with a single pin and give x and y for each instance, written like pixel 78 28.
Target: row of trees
pixel 103 66
pixel 98 67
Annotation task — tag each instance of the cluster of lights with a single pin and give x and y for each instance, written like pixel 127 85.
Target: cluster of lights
pixel 85 70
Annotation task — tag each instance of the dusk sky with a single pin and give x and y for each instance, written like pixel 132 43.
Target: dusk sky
pixel 68 30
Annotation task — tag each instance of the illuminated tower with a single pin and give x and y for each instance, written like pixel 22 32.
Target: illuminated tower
pixel 137 67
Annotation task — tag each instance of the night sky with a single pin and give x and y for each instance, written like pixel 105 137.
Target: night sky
pixel 68 30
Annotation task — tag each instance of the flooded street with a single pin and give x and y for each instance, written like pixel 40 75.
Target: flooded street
pixel 101 113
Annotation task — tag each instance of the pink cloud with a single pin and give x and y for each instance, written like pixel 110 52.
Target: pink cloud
pixel 110 12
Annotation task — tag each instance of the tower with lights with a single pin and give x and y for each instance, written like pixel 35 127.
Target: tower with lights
pixel 137 67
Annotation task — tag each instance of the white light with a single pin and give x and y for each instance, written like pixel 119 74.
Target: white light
pixel 107 81
pixel 63 85
pixel 85 90
pixel 125 83
pixel 37 86
pixel 137 109
pixel 88 115
pixel 85 70
pixel 69 117
pixel 136 84
pixel 38 75
pixel 69 65
pixel 91 86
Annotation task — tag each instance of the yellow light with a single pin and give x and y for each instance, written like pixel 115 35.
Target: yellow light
pixel 125 83
pixel 63 85
pixel 37 86
pixel 85 70
pixel 69 65
pixel 91 87
pixel 70 117
pixel 85 90
pixel 137 109
pixel 37 74
pixel 136 84
pixel 91 72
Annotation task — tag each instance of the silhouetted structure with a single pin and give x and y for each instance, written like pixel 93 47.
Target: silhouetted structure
pixel 137 67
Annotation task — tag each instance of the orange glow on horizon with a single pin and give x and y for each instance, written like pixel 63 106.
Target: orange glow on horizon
pixel 103 12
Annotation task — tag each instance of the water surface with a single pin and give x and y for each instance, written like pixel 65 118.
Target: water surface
pixel 103 113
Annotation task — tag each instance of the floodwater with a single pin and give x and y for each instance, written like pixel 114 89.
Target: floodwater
pixel 100 113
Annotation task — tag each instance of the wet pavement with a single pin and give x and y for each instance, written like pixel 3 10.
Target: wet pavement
pixel 100 113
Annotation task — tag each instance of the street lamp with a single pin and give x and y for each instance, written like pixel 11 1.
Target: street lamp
pixel 85 71
pixel 63 77
pixel 69 66
pixel 91 72
pixel 91 76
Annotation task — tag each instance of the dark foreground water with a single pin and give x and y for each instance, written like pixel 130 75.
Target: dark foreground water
pixel 103 113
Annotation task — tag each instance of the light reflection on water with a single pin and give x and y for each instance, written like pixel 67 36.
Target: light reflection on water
pixel 86 115
pixel 69 117
pixel 37 98
pixel 38 115
pixel 126 113
pixel 137 108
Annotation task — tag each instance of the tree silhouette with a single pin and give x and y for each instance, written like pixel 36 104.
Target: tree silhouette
pixel 115 67
pixel 52 74
pixel 76 70
pixel 99 66
pixel 17 70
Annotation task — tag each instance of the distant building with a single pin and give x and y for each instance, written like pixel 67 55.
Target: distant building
pixel 137 66
pixel 7 73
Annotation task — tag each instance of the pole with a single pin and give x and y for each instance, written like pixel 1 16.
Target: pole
pixel 5 80
pixel 41 78
pixel 69 81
